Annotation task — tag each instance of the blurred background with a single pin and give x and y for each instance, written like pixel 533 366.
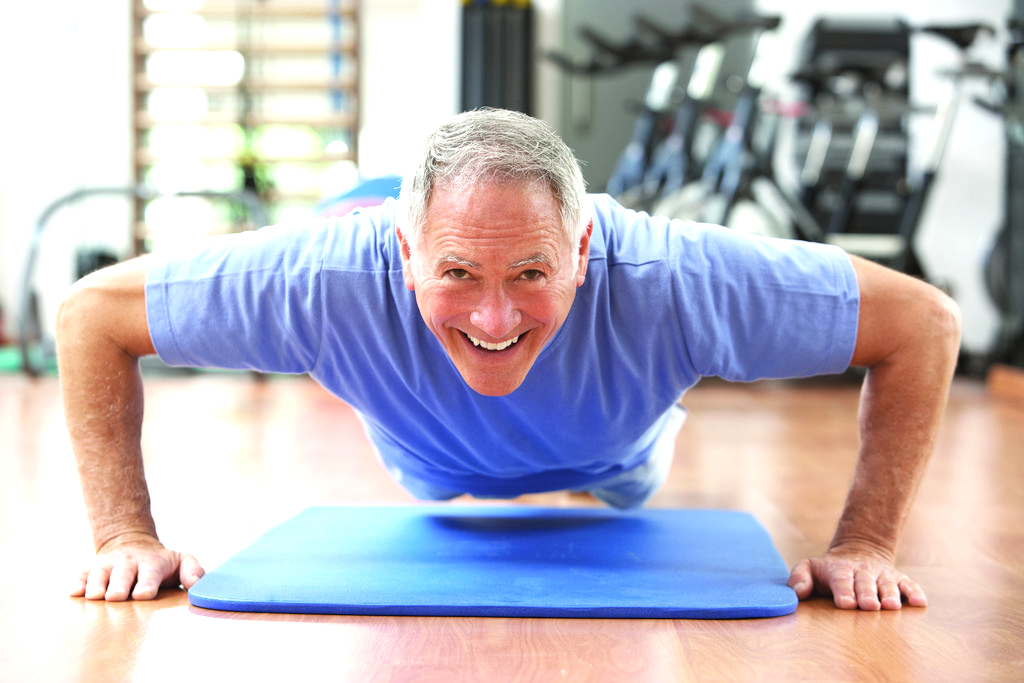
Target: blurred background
pixel 891 129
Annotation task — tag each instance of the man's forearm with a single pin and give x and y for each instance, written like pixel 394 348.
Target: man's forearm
pixel 104 418
pixel 99 338
pixel 902 403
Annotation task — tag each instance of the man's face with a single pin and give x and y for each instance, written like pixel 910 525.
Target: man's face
pixel 495 276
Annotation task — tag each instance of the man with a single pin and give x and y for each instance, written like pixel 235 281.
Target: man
pixel 500 333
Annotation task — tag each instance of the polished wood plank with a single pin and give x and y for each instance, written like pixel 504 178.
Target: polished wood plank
pixel 1007 381
pixel 228 457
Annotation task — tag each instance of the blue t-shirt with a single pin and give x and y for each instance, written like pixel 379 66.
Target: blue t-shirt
pixel 664 303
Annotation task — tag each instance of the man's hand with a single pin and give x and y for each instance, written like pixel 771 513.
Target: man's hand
pixel 908 337
pixel 856 578
pixel 135 566
pixel 101 333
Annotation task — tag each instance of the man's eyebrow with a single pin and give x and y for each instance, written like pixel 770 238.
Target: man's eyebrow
pixel 449 259
pixel 530 261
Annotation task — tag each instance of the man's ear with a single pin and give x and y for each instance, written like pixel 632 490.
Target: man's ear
pixel 410 282
pixel 584 255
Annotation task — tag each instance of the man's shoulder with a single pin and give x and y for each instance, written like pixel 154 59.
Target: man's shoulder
pixel 624 235
pixel 361 239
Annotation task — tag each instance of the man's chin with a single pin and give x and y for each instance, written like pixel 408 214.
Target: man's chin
pixel 493 386
pixel 493 373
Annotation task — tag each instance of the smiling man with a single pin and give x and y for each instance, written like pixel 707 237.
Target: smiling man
pixel 500 332
pixel 495 276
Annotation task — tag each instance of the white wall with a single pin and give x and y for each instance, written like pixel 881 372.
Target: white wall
pixel 65 122
pixel 410 78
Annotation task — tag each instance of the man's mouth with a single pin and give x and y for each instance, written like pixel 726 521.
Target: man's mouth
pixel 500 346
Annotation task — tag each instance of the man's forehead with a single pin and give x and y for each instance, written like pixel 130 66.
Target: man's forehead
pixel 505 225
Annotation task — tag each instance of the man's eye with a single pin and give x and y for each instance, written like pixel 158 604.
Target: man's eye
pixel 531 275
pixel 458 273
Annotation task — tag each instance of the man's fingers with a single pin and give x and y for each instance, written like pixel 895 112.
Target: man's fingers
pixel 122 579
pixel 844 588
pixel 801 580
pixel 889 596
pixel 913 592
pixel 147 585
pixel 190 571
pixel 865 586
pixel 96 584
pixel 78 587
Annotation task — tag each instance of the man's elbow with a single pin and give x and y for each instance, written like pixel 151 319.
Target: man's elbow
pixel 106 307
pixel 73 313
pixel 942 323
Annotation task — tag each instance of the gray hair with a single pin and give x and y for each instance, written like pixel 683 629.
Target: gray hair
pixel 494 146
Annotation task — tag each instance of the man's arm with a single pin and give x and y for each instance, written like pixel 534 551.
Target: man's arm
pixel 101 333
pixel 908 338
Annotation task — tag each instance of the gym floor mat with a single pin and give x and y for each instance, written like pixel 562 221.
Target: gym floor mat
pixel 510 561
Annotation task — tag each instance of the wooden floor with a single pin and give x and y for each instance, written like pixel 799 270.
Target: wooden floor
pixel 229 456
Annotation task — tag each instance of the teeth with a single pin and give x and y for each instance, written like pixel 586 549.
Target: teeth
pixel 500 346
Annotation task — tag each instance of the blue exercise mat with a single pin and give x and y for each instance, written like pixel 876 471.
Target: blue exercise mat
pixel 446 560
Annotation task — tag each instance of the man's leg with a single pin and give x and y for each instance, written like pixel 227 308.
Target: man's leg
pixel 633 488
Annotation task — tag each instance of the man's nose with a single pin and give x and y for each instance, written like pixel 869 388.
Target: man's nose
pixel 496 314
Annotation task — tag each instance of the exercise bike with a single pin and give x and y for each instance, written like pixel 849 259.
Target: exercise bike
pixel 671 54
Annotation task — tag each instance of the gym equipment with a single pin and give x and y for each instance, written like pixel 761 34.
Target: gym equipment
pixel 674 161
pixel 863 141
pixel 497 55
pixel 735 158
pixel 857 71
pixel 508 561
pixel 868 204
pixel 1004 264
pixel 38 351
pixel 659 156
pixel 630 168
pixel 855 74
pixel 856 186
